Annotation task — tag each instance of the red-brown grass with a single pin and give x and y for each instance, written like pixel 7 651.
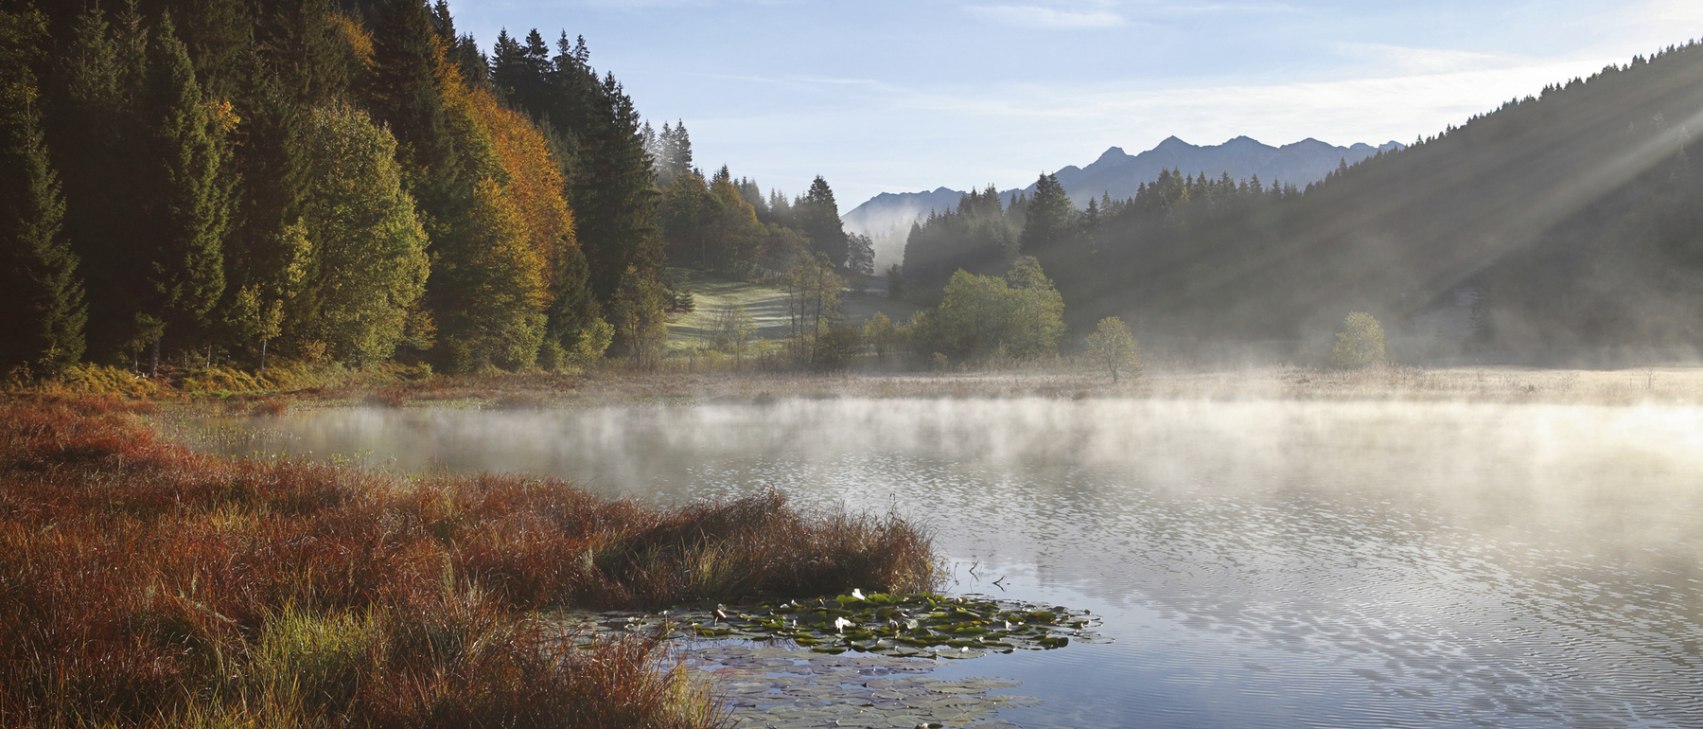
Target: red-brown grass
pixel 142 584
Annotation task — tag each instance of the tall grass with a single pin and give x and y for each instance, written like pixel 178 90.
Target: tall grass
pixel 145 585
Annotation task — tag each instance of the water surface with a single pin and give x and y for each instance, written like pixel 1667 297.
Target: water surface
pixel 1256 564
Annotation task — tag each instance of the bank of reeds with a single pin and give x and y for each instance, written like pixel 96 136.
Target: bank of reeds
pixel 142 584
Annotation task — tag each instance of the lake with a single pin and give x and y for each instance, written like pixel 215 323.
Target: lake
pixel 1254 563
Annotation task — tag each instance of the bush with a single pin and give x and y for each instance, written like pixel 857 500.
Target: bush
pixel 89 380
pixel 1020 316
pixel 836 346
pixel 1359 343
pixel 1113 347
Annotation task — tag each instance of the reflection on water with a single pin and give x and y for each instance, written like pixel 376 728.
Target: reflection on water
pixel 1257 563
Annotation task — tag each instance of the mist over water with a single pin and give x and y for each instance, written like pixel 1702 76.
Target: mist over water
pixel 1256 563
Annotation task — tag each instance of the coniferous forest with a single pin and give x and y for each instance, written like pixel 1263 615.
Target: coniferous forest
pixel 347 181
pixel 1560 228
pixel 354 181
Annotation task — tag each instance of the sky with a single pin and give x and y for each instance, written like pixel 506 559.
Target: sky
pixel 908 95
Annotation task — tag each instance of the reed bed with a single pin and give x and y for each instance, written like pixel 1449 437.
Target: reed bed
pixel 145 585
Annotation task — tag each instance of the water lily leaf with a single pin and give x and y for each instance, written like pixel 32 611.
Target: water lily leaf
pixel 879 623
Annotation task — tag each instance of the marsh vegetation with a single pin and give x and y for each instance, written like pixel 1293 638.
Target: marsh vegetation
pixel 142 584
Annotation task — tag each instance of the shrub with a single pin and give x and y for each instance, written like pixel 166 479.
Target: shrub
pixel 1113 347
pixel 1359 343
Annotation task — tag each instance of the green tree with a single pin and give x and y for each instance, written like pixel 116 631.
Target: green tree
pixel 187 206
pixel 860 255
pixel 688 211
pixel 812 302
pixel 367 267
pixel 1359 343
pixel 736 236
pixel 1021 316
pixel 818 216
pixel 576 321
pixel 302 42
pixel 89 128
pixel 492 308
pixel 257 319
pixel 406 92
pixel 733 332
pixel 611 187
pixel 1113 346
pixel 42 307
pixel 1049 226
pixel 881 335
pixel 639 311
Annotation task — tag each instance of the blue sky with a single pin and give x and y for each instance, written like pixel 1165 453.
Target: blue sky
pixel 904 95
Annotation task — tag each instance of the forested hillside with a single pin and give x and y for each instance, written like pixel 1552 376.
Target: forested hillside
pixel 346 181
pixel 1117 175
pixel 1562 225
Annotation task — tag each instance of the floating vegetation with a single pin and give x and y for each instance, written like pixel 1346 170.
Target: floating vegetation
pixel 784 688
pixel 924 626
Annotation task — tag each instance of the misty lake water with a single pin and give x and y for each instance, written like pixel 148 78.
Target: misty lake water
pixel 1256 564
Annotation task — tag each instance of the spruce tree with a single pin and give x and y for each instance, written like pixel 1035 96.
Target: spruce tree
pixel 612 191
pixel 406 93
pixel 574 313
pixel 42 310
pixel 190 193
pixel 312 59
pixel 818 215
pixel 95 97
pixel 1048 228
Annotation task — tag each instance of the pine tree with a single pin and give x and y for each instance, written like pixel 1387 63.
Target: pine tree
pixel 41 294
pixel 267 159
pixel 216 34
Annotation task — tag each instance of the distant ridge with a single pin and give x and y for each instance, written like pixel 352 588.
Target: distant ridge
pixel 887 217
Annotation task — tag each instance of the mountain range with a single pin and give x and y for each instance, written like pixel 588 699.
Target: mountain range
pixel 887 217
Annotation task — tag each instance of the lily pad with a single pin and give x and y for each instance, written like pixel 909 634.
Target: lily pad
pixel 893 625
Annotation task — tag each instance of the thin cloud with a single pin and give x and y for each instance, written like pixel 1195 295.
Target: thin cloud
pixel 1040 16
pixel 1391 59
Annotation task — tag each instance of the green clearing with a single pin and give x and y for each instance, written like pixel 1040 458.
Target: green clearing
pixel 766 305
